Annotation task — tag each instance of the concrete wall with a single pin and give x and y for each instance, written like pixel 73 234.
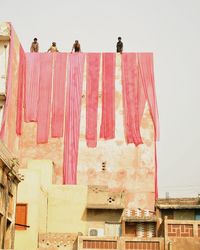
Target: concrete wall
pixel 128 167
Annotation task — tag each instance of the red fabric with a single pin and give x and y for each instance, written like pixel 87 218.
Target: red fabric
pixel 107 130
pixel 147 78
pixel 58 104
pixel 32 86
pixel 44 104
pixel 8 82
pixel 21 82
pixel 72 119
pixel 93 68
pixel 131 98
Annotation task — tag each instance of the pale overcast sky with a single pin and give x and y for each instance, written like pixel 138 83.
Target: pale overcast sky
pixel 170 29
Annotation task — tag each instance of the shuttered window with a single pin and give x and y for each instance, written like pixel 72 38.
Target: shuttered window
pixel 21 216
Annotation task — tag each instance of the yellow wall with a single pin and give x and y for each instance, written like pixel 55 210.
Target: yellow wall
pixel 66 210
pixel 33 191
pixel 51 208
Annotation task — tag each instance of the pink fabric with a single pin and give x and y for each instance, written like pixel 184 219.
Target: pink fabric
pixel 44 104
pixel 32 86
pixel 107 130
pixel 131 98
pixel 58 104
pixel 93 68
pixel 21 82
pixel 147 77
pixel 72 119
pixel 8 82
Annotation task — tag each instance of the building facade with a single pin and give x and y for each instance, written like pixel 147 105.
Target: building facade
pixel 112 178
pixel 9 180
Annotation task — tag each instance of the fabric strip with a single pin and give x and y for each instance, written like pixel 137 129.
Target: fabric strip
pixel 58 104
pixel 21 82
pixel 131 98
pixel 107 130
pixel 32 86
pixel 44 104
pixel 147 77
pixel 72 119
pixel 92 81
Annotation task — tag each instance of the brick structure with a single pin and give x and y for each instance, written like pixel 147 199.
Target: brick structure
pixel 97 244
pixel 183 230
pixel 120 243
pixel 142 245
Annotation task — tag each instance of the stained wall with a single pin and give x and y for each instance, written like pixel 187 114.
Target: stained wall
pixel 128 168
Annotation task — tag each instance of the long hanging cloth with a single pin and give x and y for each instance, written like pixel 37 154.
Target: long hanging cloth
pixel 147 77
pixel 21 83
pixel 92 81
pixel 8 82
pixel 32 86
pixel 131 98
pixel 44 104
pixel 107 130
pixel 72 120
pixel 58 104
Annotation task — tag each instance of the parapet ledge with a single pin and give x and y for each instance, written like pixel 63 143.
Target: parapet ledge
pixel 100 197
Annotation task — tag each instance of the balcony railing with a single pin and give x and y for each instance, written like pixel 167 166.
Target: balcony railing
pixel 119 243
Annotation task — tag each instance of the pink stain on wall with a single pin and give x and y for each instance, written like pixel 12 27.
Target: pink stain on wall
pixel 126 174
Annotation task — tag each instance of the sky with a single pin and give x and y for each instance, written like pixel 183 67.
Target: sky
pixel 170 29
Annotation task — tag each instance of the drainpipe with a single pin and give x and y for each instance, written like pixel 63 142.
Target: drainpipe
pixel 170 245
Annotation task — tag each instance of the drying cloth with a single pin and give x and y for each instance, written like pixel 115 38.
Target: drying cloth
pixel 44 104
pixel 21 83
pixel 130 86
pixel 75 68
pixel 58 103
pixel 92 81
pixel 147 77
pixel 32 86
pixel 107 130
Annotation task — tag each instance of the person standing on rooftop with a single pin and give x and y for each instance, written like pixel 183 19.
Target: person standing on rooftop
pixel 76 46
pixel 34 46
pixel 119 45
pixel 53 48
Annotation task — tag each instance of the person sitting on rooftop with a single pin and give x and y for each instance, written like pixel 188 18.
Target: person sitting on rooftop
pixel 76 46
pixel 119 45
pixel 53 48
pixel 34 46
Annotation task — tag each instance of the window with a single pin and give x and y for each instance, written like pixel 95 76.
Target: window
pixel 21 216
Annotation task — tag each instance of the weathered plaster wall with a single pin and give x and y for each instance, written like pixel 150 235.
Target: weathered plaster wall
pixel 128 167
pixel 185 244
